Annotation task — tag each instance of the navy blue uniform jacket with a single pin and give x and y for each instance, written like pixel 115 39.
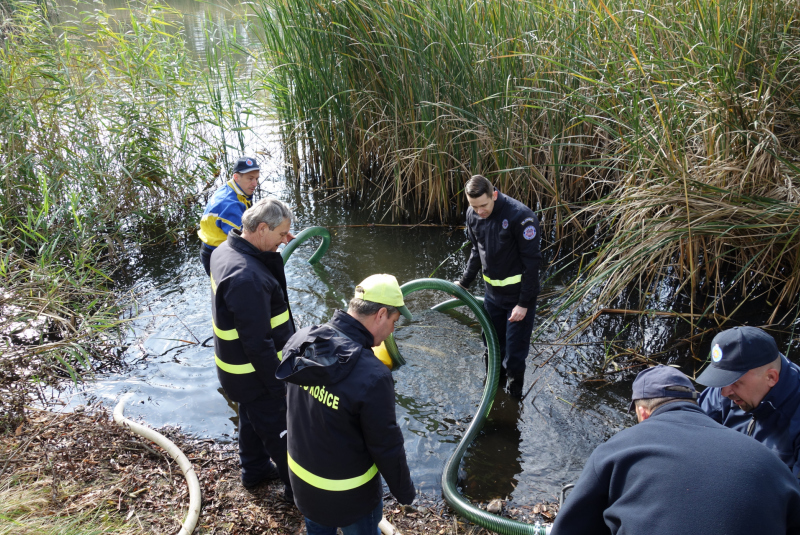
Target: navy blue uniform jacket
pixel 679 471
pixel 251 317
pixel 343 432
pixel 776 419
pixel 506 245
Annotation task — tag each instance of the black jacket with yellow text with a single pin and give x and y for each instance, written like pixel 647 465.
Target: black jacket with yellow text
pixel 506 245
pixel 343 429
pixel 252 320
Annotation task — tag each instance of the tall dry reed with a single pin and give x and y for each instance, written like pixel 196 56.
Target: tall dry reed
pixel 663 135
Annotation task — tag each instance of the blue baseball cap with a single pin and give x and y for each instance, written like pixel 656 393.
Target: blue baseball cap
pixel 245 164
pixel 734 352
pixel 661 382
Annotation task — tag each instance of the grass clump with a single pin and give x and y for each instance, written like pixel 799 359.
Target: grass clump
pixel 28 509
pixel 661 136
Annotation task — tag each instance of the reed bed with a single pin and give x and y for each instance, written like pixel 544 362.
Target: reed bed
pixel 661 136
pixel 108 135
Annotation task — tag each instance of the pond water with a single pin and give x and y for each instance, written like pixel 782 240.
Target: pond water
pixel 527 450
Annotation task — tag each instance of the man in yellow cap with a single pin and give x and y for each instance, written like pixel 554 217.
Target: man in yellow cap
pixel 342 428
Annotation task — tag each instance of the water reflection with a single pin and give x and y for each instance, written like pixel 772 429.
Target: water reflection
pixel 492 466
pixel 200 22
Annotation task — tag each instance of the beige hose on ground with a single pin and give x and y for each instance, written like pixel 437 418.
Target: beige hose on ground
pixel 174 452
pixel 388 529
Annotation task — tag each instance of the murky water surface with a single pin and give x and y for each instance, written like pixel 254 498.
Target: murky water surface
pixel 527 450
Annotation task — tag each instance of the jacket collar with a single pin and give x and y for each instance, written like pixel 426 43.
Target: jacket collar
pixel 243 246
pixel 788 385
pixel 499 205
pixel 344 322
pixel 681 405
pixel 239 191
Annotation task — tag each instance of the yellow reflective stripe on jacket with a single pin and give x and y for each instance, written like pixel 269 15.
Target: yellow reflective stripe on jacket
pixel 213 284
pixel 279 319
pixel 280 356
pixel 514 279
pixel 231 334
pixel 236 369
pixel 331 484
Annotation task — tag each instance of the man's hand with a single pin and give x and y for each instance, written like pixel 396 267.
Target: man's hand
pixel 458 284
pixel 518 313
pixel 290 237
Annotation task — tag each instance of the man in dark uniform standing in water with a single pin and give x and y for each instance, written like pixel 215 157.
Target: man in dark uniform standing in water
pixel 505 243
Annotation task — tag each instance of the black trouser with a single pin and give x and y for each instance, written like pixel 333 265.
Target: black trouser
pixel 262 435
pixel 205 257
pixel 514 337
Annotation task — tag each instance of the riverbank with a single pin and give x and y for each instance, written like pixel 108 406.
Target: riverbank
pixel 81 473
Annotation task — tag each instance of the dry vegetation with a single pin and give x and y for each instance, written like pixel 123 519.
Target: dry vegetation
pixel 659 137
pixel 81 474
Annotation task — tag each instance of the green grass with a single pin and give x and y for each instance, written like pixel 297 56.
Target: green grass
pixel 660 136
pixel 110 132
pixel 29 509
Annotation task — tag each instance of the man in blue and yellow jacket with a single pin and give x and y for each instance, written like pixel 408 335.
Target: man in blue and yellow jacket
pixel 224 211
pixel 343 432
pixel 505 243
pixel 252 322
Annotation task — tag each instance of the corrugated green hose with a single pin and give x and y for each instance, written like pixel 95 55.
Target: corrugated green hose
pixel 305 235
pixel 475 515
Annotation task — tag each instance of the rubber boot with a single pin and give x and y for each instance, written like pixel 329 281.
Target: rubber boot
pixel 515 383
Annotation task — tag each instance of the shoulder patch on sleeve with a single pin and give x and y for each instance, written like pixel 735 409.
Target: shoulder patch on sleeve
pixel 528 220
pixel 529 233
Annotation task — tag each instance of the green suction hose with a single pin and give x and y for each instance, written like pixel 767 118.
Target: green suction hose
pixel 501 525
pixel 450 304
pixel 304 236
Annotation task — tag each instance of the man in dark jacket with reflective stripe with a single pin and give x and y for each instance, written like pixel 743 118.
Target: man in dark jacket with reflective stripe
pixel 343 432
pixel 754 390
pixel 679 471
pixel 505 243
pixel 252 322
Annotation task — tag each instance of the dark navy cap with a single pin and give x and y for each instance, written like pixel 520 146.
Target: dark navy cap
pixel 245 164
pixel 661 382
pixel 734 352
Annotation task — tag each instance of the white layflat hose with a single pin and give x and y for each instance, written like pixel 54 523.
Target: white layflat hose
pixel 177 455
pixel 188 470
pixel 386 528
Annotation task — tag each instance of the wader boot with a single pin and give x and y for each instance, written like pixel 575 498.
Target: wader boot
pixel 515 385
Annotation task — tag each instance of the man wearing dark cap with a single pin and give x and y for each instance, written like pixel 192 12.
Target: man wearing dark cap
pixel 343 432
pixel 754 390
pixel 678 471
pixel 224 211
